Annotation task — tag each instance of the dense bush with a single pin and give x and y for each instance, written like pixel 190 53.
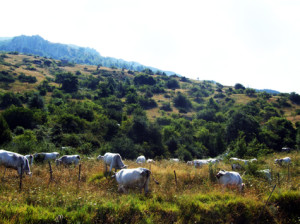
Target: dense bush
pixel 25 78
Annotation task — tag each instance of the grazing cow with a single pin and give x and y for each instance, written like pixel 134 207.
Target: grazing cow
pixel 239 160
pixel 43 156
pixel 68 160
pixel 266 174
pixel 213 161
pixel 286 149
pixel 253 160
pixel 286 160
pixel 150 161
pixel 133 178
pixel 30 159
pixel 200 162
pixel 174 160
pixel 15 161
pixel 230 178
pixel 236 166
pixel 189 163
pixel 114 160
pixel 141 159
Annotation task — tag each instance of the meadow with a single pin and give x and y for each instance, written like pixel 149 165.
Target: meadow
pixel 193 197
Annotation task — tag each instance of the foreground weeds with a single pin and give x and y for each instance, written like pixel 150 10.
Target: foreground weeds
pixel 196 198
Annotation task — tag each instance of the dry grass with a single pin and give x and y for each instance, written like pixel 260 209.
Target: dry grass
pixel 83 200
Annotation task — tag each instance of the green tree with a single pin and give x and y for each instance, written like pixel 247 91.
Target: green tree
pixel 172 84
pixel 19 116
pixel 279 132
pixel 5 133
pixel 238 122
pixel 36 101
pixel 9 99
pixel 181 101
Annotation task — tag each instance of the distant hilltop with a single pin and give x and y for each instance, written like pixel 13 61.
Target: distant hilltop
pixel 36 45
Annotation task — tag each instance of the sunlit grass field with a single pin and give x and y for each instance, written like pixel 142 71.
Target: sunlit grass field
pixel 193 197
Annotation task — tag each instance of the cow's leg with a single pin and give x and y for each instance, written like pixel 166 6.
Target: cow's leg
pixel 4 173
pixel 146 187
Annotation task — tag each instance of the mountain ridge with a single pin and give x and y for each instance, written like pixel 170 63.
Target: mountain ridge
pixel 82 55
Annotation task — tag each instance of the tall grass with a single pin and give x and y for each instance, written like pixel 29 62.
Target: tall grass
pixel 197 197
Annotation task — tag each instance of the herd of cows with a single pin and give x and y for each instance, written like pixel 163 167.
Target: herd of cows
pixel 128 178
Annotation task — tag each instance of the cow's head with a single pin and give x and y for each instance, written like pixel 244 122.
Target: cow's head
pixel 100 157
pixel 27 168
pixel 220 173
pixel 57 161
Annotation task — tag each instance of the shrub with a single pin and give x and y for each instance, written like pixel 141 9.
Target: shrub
pixel 6 77
pixel 5 133
pixel 25 78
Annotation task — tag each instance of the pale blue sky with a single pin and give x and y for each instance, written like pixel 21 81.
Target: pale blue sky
pixel 252 42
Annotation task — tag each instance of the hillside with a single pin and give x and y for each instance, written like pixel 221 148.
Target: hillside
pixel 36 45
pixel 47 103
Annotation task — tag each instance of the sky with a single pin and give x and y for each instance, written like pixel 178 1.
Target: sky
pixel 252 42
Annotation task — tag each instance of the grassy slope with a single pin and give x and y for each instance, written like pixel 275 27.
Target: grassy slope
pixel 196 198
pixel 17 66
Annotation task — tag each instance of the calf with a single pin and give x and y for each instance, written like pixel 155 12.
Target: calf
pixel 15 161
pixel 133 178
pixel 44 156
pixel 141 159
pixel 230 178
pixel 286 160
pixel 68 160
pixel 114 160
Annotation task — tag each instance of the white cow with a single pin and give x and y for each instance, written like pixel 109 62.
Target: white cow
pixel 30 159
pixel 174 160
pixel 239 160
pixel 266 174
pixel 68 160
pixel 44 156
pixel 15 161
pixel 200 162
pixel 150 161
pixel 141 159
pixel 286 160
pixel 230 178
pixel 133 178
pixel 213 161
pixel 236 166
pixel 114 160
pixel 189 163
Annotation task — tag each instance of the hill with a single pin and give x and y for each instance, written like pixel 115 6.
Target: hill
pixel 36 45
pixel 47 103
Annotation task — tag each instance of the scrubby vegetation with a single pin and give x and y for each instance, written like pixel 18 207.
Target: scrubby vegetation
pixel 46 104
pixel 146 113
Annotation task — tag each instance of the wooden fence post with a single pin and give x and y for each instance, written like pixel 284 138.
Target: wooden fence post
pixel 266 203
pixel 50 171
pixel 288 172
pixel 175 178
pixel 79 172
pixel 21 177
